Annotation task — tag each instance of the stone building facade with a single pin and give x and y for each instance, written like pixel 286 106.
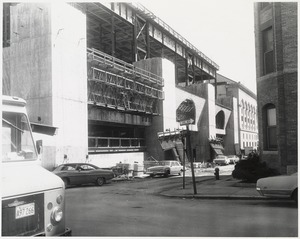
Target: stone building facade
pixel 247 112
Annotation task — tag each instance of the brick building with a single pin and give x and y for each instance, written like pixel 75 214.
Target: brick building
pixel 276 69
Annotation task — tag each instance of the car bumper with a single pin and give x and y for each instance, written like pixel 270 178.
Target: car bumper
pixel 259 191
pixel 274 193
pixel 67 232
pixel 155 173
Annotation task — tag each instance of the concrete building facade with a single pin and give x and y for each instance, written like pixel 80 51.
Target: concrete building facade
pixel 277 72
pixel 246 113
pixel 109 77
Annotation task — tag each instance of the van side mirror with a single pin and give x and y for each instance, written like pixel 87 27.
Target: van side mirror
pixel 39 146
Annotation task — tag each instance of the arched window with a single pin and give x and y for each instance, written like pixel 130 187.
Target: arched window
pixel 243 107
pixel 270 127
pixel 220 120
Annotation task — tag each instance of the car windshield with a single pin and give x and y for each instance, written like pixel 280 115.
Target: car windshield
pixel 17 141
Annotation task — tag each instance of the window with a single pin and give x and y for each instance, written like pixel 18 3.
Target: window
pixel 220 120
pixel 267 47
pixel 87 167
pixel 17 142
pixel 270 127
pixel 6 25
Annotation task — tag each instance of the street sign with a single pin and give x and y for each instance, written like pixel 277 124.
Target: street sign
pixel 186 122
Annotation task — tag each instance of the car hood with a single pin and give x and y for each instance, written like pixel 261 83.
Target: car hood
pixel 285 181
pixel 29 178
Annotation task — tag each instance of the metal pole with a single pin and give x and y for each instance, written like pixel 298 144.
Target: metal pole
pixel 183 177
pixel 190 157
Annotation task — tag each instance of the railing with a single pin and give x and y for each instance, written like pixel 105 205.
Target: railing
pixel 124 82
pixel 124 67
pixel 103 144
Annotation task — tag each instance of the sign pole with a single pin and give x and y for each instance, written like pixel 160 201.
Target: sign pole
pixel 190 157
pixel 184 150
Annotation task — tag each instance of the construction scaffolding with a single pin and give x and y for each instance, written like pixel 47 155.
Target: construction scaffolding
pixel 116 84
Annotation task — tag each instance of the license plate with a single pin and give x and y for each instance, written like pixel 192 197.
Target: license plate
pixel 25 210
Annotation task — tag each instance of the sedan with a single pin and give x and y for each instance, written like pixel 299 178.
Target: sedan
pixel 284 186
pixel 221 160
pixel 233 159
pixel 165 168
pixel 83 173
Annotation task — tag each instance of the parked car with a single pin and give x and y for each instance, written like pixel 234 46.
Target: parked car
pixel 233 159
pixel 221 160
pixel 284 186
pixel 197 165
pixel 83 173
pixel 165 168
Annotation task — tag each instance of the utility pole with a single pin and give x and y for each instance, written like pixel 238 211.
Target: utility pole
pixel 184 152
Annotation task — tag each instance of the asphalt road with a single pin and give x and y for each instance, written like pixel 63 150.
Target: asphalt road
pixel 136 209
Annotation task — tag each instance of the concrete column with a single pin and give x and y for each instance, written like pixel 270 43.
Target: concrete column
pixel 48 55
pixel 169 104
pixel 235 120
pixel 69 81
pixel 211 105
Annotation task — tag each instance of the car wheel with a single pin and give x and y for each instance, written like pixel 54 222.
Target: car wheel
pixel 100 181
pixel 166 174
pixel 295 195
pixel 179 173
pixel 66 182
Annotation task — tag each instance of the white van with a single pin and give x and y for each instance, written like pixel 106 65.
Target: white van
pixel 33 199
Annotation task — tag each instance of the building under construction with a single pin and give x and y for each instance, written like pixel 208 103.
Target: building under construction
pixel 107 78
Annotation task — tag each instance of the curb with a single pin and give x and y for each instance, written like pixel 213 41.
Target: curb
pixel 221 197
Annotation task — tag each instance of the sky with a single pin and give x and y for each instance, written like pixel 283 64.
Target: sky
pixel 221 29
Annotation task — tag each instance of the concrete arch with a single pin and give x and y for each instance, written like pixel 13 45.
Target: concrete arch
pixel 186 111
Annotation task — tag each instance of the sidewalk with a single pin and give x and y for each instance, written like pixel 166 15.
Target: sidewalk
pixel 208 187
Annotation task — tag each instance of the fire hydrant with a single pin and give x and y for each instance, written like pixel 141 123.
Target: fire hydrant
pixel 217 173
